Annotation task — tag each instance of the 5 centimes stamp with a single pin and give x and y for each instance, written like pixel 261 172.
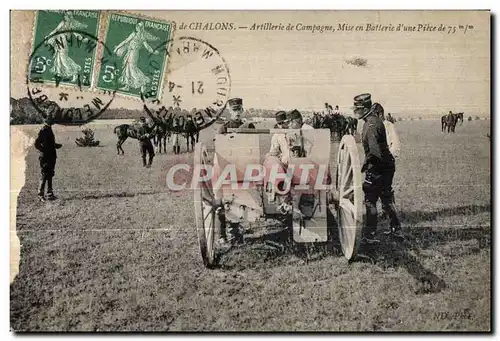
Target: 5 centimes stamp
pixel 198 82
pixel 64 54
pixel 131 39
pixel 68 103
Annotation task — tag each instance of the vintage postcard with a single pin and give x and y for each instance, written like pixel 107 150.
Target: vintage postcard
pixel 320 171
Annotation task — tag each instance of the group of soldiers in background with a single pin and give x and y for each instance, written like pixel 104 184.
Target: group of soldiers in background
pixel 379 139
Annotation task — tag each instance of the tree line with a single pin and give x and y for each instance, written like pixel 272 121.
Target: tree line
pixel 23 112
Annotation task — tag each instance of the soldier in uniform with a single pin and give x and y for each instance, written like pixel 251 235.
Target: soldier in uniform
pixel 144 136
pixel 46 145
pixel 176 135
pixel 296 120
pixel 235 106
pixel 392 136
pixel 279 144
pixel 379 168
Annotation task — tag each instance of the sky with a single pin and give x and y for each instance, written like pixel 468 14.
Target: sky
pixel 413 73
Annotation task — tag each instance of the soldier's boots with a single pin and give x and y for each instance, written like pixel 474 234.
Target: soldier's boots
pixel 395 230
pixel 51 196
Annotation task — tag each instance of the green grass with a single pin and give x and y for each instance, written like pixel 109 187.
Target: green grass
pixel 118 251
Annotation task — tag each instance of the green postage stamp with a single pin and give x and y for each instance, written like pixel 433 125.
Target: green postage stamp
pixel 139 45
pixel 64 47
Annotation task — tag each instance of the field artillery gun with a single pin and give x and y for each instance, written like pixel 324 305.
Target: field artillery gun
pixel 240 183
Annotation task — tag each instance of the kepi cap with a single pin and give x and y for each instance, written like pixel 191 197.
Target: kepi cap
pixel 235 104
pixel 281 117
pixel 362 101
pixel 294 115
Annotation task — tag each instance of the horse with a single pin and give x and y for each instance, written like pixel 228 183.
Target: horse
pixel 449 121
pixel 161 133
pixel 352 125
pixel 337 124
pixel 124 131
pixel 191 133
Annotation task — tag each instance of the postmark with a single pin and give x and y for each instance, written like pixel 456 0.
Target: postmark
pixel 198 82
pixel 70 103
pixel 131 39
pixel 63 54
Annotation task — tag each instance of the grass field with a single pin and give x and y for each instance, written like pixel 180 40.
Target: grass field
pixel 118 252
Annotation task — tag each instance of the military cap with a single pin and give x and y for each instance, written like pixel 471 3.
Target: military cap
pixel 294 115
pixel 362 101
pixel 235 104
pixel 142 119
pixel 281 117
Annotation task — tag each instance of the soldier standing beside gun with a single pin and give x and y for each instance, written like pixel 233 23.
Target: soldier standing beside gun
pixel 144 137
pixel 235 106
pixel 379 167
pixel 46 145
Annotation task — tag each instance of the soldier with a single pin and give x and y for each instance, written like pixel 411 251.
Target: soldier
pixel 336 112
pixel 327 111
pixel 144 136
pixel 379 167
pixel 296 121
pixel 279 144
pixel 46 145
pixel 176 135
pixel 235 106
pixel 392 136
pixel 390 118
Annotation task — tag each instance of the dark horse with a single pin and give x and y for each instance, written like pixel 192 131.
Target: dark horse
pixel 337 124
pixel 449 122
pixel 161 133
pixel 352 125
pixel 191 132
pixel 124 131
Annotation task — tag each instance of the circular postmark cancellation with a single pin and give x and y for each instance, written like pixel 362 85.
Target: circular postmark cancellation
pixel 196 88
pixel 60 77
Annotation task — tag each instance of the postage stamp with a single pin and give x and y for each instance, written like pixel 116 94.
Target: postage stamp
pixel 140 67
pixel 75 104
pixel 58 38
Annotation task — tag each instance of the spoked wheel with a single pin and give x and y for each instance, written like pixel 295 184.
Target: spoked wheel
pixel 208 220
pixel 349 196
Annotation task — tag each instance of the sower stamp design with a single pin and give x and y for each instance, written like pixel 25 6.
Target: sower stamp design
pixel 58 39
pixel 73 104
pixel 140 67
pixel 198 82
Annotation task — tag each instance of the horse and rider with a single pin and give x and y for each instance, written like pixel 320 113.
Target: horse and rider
pixel 449 121
pixel 333 119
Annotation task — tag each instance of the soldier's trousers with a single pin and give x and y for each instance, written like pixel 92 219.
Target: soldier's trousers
pixel 147 148
pixel 47 167
pixel 378 184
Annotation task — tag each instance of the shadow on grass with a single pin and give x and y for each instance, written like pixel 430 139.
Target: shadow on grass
pixel 415 217
pixel 275 248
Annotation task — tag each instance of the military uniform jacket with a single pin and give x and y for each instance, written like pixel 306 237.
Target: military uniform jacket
pixel 46 143
pixel 377 154
pixel 143 133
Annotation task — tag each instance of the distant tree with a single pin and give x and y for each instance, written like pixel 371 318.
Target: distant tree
pixel 470 118
pixel 477 118
pixel 400 119
pixel 420 118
